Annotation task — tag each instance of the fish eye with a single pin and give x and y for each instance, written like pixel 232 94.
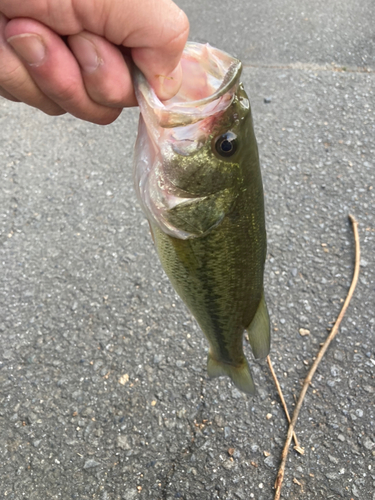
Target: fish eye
pixel 226 144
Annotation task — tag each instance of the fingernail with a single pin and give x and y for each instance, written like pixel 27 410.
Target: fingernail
pixel 169 85
pixel 85 53
pixel 30 47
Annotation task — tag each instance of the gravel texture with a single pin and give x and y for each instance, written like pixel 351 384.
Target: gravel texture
pixel 103 386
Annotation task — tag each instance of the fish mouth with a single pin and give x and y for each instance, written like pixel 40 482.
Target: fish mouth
pixel 209 82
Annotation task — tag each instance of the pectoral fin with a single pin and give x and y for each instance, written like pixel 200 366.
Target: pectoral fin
pixel 240 375
pixel 259 331
pixel 198 215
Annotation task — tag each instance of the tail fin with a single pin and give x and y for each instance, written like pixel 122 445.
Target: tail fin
pixel 259 331
pixel 240 375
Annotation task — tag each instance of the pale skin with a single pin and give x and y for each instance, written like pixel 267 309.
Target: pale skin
pixel 75 56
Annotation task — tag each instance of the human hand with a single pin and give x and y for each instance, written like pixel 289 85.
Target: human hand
pixel 75 55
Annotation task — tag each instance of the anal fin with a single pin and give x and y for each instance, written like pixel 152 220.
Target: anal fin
pixel 259 331
pixel 240 375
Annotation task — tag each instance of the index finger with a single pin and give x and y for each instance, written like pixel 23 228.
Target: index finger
pixel 155 30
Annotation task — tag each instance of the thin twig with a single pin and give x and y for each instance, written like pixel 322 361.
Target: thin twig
pixel 280 475
pixel 297 445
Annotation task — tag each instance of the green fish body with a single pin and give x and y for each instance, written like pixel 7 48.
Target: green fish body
pixel 198 178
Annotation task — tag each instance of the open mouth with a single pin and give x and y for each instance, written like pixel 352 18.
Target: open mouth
pixel 210 79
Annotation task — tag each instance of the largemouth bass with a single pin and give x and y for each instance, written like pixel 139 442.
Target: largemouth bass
pixel 198 179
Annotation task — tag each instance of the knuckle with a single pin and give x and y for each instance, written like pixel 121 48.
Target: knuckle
pixel 112 100
pixel 74 99
pixel 107 117
pixel 53 110
pixel 68 93
pixel 6 95
pixel 179 34
pixel 184 24
pixel 106 95
pixel 86 109
pixel 13 78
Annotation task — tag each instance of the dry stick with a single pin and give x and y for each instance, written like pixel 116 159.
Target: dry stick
pixel 297 445
pixel 280 475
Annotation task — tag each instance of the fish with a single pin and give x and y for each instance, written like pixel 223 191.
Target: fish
pixel 198 180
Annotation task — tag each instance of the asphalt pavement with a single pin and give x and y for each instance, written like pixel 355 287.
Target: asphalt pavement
pixel 103 386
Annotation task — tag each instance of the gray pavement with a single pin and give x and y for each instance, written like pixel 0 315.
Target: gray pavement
pixel 103 386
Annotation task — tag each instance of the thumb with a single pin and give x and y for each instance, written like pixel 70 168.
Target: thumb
pixel 160 61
